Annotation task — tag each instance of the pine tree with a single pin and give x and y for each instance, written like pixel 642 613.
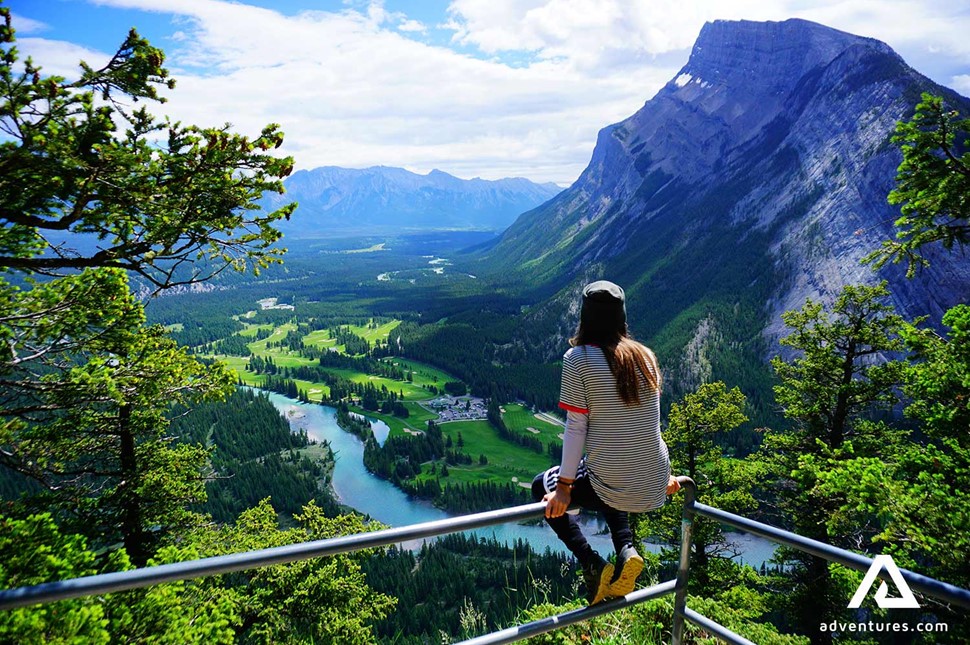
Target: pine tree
pixel 695 423
pixel 85 383
pixel 832 389
pixel 932 184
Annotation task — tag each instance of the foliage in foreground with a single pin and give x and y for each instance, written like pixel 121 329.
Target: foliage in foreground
pixel 932 184
pixel 319 600
pixel 93 192
pixel 650 623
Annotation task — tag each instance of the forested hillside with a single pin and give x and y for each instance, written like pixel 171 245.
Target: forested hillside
pixel 255 455
pixel 465 587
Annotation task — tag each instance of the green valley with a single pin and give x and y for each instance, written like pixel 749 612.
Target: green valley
pixel 359 365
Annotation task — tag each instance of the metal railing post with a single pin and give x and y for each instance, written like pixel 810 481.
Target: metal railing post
pixel 683 569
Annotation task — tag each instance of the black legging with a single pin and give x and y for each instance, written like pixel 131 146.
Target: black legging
pixel 567 528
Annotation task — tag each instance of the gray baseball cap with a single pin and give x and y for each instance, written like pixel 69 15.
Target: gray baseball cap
pixel 604 306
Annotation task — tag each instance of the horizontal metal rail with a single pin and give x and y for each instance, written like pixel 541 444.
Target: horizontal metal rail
pixel 544 625
pixel 717 629
pixel 935 588
pixel 125 580
pixel 144 577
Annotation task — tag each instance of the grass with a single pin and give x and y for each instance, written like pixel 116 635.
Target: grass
pixel 373 334
pixel 279 333
pixel 519 418
pixel 251 329
pixel 417 421
pixel 287 357
pixel 418 415
pixel 643 624
pixel 319 338
pixel 505 459
pixel 315 391
pixel 422 373
pixel 411 392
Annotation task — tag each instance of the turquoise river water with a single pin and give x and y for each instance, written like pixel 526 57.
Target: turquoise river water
pixel 381 500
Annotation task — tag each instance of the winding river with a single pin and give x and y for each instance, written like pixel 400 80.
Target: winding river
pixel 359 489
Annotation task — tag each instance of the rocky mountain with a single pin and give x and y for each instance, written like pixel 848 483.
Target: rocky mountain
pixel 756 178
pixel 372 200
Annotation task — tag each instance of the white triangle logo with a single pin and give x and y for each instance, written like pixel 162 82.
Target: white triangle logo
pixel 906 599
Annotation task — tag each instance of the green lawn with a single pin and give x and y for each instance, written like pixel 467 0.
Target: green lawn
pixel 411 392
pixel 371 335
pixel 259 346
pixel 415 422
pixel 422 373
pixel 505 459
pixel 250 330
pixel 519 418
pixel 287 357
pixel 419 416
pixel 319 338
pixel 315 391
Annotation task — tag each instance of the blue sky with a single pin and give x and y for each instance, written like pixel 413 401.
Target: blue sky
pixel 489 88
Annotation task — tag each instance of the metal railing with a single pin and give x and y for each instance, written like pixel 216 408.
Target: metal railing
pixel 125 580
pixel 692 509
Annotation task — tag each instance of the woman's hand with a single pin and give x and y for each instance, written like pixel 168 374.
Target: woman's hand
pixel 557 502
pixel 672 485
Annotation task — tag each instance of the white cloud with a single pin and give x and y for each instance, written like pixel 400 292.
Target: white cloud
pixel 24 25
pixel 59 58
pixel 961 84
pixel 933 27
pixel 356 88
pixel 350 89
pixel 928 33
pixel 414 26
pixel 585 31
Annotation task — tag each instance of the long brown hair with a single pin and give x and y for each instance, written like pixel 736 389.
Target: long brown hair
pixel 627 358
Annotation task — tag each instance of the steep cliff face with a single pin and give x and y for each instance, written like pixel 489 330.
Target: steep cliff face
pixel 756 178
pixel 345 200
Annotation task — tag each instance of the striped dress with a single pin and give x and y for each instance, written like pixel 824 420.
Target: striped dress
pixel 626 457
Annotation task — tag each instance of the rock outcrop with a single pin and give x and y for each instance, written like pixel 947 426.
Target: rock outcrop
pixel 756 178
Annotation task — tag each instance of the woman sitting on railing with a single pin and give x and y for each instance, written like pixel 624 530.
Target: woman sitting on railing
pixel 611 394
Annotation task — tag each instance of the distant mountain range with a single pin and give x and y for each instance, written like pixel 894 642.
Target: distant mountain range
pixel 756 178
pixel 381 199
